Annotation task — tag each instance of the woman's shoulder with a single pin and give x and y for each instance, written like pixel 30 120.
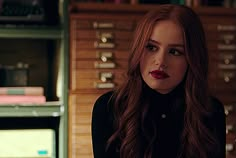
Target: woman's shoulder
pixel 102 103
pixel 217 105
pixel 104 98
pixel 218 125
pixel 217 113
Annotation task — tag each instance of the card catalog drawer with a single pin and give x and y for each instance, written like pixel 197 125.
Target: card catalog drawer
pixel 118 64
pixel 102 23
pixel 96 44
pixel 103 34
pixel 103 55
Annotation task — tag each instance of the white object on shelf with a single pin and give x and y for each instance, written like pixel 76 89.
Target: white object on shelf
pixel 27 143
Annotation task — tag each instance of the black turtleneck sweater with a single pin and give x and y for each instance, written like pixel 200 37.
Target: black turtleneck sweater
pixel 166 113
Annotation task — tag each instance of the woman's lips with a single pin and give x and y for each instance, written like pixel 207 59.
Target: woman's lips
pixel 159 74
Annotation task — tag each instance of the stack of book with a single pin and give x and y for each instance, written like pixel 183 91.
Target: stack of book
pixel 22 95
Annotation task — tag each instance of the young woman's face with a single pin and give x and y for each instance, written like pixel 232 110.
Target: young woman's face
pixel 163 65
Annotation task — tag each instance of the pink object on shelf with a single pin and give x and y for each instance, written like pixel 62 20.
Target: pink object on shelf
pixel 22 99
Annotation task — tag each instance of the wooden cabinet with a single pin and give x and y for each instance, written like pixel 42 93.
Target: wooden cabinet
pixel 100 36
pixel 99 52
pixel 221 33
pixel 80 108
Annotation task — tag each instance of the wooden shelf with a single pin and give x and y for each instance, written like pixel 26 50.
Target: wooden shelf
pixel 31 32
pixel 49 109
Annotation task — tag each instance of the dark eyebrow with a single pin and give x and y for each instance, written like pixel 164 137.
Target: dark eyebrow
pixel 153 41
pixel 171 45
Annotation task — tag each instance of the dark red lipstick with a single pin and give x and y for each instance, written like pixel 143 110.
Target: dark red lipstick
pixel 159 74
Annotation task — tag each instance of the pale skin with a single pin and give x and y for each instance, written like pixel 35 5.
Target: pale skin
pixel 164 52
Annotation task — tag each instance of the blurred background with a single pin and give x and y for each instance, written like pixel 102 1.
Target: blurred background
pixel 57 57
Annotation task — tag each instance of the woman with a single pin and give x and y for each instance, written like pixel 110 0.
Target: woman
pixel 163 109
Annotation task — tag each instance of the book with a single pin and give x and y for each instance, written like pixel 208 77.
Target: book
pixel 22 99
pixel 21 90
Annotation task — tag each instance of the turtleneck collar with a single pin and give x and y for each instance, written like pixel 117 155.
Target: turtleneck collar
pixel 165 103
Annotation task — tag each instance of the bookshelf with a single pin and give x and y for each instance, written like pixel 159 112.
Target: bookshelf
pixel 45 48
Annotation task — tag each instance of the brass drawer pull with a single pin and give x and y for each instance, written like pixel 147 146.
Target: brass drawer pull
pixel 227 76
pixel 227 61
pixel 228 38
pixel 227 79
pixel 227 58
pixel 104 65
pixel 105 76
pixel 229 128
pixel 105 56
pixel 229 147
pixel 103 25
pixel 226 27
pixel 104 35
pixel 228 109
pixel 104 85
pixel 104 45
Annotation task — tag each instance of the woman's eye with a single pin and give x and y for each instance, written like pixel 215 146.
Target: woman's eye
pixel 175 52
pixel 151 47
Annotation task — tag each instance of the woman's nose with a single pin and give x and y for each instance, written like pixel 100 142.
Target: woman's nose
pixel 161 59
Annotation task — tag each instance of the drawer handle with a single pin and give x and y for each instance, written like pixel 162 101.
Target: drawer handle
pixel 103 25
pixel 229 147
pixel 226 47
pixel 227 61
pixel 105 76
pixel 228 109
pixel 227 76
pixel 227 58
pixel 105 35
pixel 227 79
pixel 228 38
pixel 104 65
pixel 105 56
pixel 227 66
pixel 226 27
pixel 229 128
pixel 104 85
pixel 104 45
